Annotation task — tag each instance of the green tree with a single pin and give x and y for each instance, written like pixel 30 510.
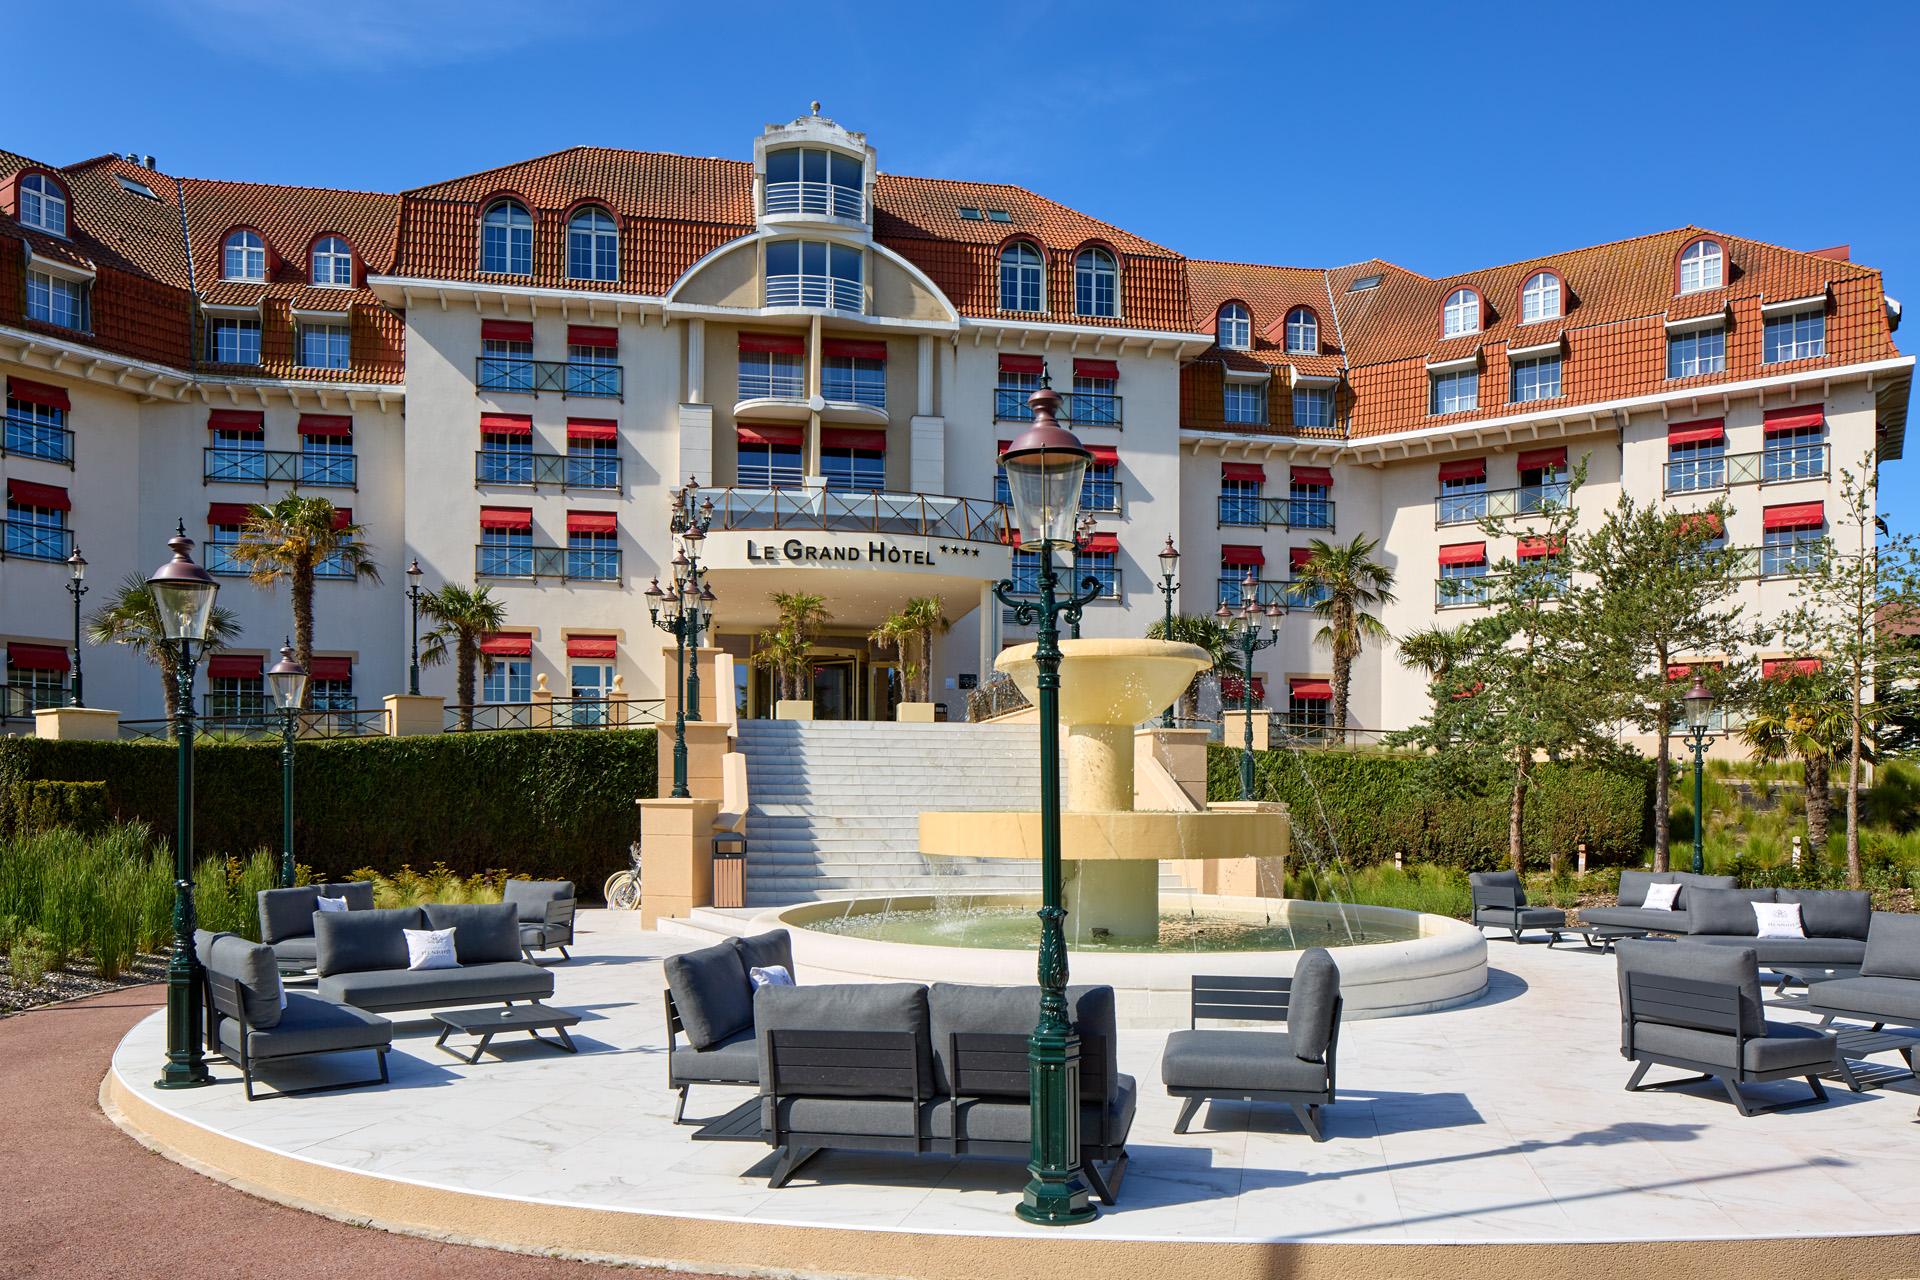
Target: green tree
pixel 463 616
pixel 130 617
pixel 1433 650
pixel 1206 632
pixel 290 539
pixel 1344 583
pixel 1801 715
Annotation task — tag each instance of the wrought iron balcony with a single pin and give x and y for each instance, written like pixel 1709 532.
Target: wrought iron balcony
pixel 1082 408
pixel 572 564
pixel 19 702
pixel 1768 466
pixel 825 510
pixel 828 199
pixel 1252 512
pixel 223 464
pixel 569 379
pixel 507 468
pixel 254 716
pixel 1280 591
pixel 221 561
pixel 20 540
pixel 554 713
pixel 834 292
pixel 1498 504
pixel 24 437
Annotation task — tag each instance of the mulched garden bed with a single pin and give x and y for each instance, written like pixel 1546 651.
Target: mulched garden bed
pixel 78 978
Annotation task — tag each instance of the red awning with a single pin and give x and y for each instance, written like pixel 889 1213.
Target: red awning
pixel 227 513
pixel 1298 556
pixel 506 331
pixel 43 394
pixel 785 344
pixel 250 421
pixel 1796 417
pixel 37 657
pixel 1238 555
pixel 1700 432
pixel 233 666
pixel 506 517
pixel 767 435
pixel 1022 364
pixel 1096 369
pixel 326 424
pixel 1464 553
pixel 1709 520
pixel 507 644
pixel 330 669
pixel 506 424
pixel 1228 470
pixel 1795 515
pixel 1106 544
pixel 852 350
pixel 1535 547
pixel 853 438
pixel 1104 455
pixel 1684 670
pixel 592 429
pixel 1311 690
pixel 591 646
pixel 47 497
pixel 1464 469
pixel 1312 475
pixel 592 335
pixel 591 522
pixel 1543 459
pixel 1232 692
pixel 1781 668
pixel 342 517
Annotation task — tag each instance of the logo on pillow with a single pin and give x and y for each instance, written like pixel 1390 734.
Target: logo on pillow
pixel 1779 919
pixel 324 903
pixel 773 975
pixel 1660 897
pixel 430 949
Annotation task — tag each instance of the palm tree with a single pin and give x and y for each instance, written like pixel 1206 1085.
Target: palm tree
pixel 925 618
pixel 784 652
pixel 130 617
pixel 465 616
pixel 1343 583
pixel 291 539
pixel 896 633
pixel 1202 630
pixel 1433 650
pixel 1799 718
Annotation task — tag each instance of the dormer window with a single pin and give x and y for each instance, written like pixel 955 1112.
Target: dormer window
pixel 1096 284
pixel 1303 332
pixel 506 239
pixel 245 257
pixel 593 245
pixel 1702 267
pixel 332 262
pixel 1461 315
pixel 1234 328
pixel 815 180
pixel 43 204
pixel 1020 278
pixel 1540 298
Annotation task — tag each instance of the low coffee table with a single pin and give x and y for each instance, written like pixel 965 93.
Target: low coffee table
pixel 488 1023
pixel 1602 936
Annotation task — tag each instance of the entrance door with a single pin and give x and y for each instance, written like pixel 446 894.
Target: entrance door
pixel 835 689
pixel 591 683
pixel 886 689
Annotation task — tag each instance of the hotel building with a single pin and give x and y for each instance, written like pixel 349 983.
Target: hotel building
pixel 505 375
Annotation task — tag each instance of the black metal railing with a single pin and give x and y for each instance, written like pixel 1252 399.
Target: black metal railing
pixel 508 468
pixel 1769 466
pixel 570 379
pixel 1462 593
pixel 240 718
pixel 31 438
pixel 223 464
pixel 1236 511
pixel 574 564
pixel 553 713
pixel 826 511
pixel 19 702
pixel 20 540
pixel 1498 504
pixel 222 560
pixel 1082 408
pixel 1280 591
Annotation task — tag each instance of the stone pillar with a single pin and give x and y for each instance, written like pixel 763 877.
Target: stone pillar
pixel 709 683
pixel 1119 897
pixel 409 716
pixel 76 724
pixel 676 842
pixel 1182 753
pixel 707 744
pixel 1234 729
pixel 696 444
pixel 927 455
pixel 540 714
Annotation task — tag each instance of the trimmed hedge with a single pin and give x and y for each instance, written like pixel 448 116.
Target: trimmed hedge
pixel 1376 803
pixel 30 807
pixel 543 804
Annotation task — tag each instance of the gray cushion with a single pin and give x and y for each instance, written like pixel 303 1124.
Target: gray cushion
pixel 1893 947
pixel 1688 882
pixel 232 956
pixel 882 1006
pixel 765 949
pixel 851 1117
pixel 203 944
pixel 482 933
pixel 1785 1047
pixel 358 893
pixel 711 991
pixel 535 935
pixel 1636 918
pixel 1876 999
pixel 1831 913
pixel 435 988
pixel 1521 917
pixel 1633 886
pixel 1003 1120
pixel 1237 1061
pixel 1729 966
pixel 287 913
pixel 1791 950
pixel 1310 1005
pixel 355 941
pixel 737 1058
pixel 530 897
pixel 299 950
pixel 954 1008
pixel 1726 913
pixel 1499 880
pixel 312 1025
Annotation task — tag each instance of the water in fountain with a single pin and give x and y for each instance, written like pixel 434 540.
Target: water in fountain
pixel 1317 860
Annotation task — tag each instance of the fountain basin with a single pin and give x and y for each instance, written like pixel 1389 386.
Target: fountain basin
pixel 1117 835
pixel 1113 682
pixel 1440 962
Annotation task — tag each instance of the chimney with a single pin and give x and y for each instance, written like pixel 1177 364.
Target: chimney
pixel 131 158
pixel 146 162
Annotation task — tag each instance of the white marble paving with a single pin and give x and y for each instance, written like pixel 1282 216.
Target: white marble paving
pixel 1501 1121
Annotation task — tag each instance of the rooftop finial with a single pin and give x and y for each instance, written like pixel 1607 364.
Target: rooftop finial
pixel 816 106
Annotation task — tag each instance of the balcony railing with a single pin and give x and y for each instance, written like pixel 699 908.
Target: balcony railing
pixel 1498 504
pixel 225 465
pixel 22 541
pixel 1278 591
pixel 833 292
pixel 29 438
pixel 844 388
pixel 19 702
pixel 1462 593
pixel 823 510
pixel 1252 512
pixel 568 379
pixel 1769 466
pixel 772 386
pixel 249 717
pixel 531 470
pixel 826 198
pixel 1083 408
pixel 1798 561
pixel 574 564
pixel 222 561
pixel 553 713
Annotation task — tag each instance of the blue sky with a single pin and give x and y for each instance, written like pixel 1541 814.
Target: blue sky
pixel 1440 136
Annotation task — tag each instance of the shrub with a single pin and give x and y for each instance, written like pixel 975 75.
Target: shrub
pixel 30 959
pixel 409 888
pixel 32 805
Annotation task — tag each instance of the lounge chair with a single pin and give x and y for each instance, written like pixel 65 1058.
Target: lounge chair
pixel 1500 902
pixel 251 1026
pixel 546 910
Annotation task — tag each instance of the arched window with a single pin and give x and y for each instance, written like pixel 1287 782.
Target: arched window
pixel 506 239
pixel 1462 313
pixel 1020 280
pixel 1303 331
pixel 593 246
pixel 1702 266
pixel 1234 327
pixel 1540 297
pixel 245 257
pixel 332 261
pixel 1096 284
pixel 43 203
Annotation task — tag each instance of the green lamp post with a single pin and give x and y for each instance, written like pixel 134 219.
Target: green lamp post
pixel 1244 627
pixel 288 680
pixel 1699 702
pixel 414 573
pixel 76 587
pixel 682 611
pixel 1045 468
pixel 183 595
pixel 691 516
pixel 1169 565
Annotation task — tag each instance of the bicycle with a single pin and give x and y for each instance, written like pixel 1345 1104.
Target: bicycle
pixel 622 890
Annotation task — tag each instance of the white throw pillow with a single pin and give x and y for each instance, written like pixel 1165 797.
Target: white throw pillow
pixel 430 949
pixel 324 903
pixel 1660 897
pixel 773 975
pixel 1779 919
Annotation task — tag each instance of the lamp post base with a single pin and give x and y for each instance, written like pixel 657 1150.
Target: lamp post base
pixel 183 1075
pixel 1057 1194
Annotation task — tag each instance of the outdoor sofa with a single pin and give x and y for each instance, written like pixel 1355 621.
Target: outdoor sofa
pixel 286 917
pixel 1629 911
pixel 1888 988
pixel 1500 902
pixel 546 910
pixel 709 999
pixel 1835 922
pixel 252 1020
pixel 361 959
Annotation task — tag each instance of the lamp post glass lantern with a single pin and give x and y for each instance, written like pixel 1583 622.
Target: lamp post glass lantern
pixel 1243 625
pixel 1045 468
pixel 1169 565
pixel 413 652
pixel 76 587
pixel 288 680
pixel 183 595
pixel 1699 713
pixel 683 611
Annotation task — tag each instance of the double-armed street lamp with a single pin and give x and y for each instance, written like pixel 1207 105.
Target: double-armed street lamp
pixel 1169 565
pixel 413 600
pixel 183 595
pixel 1243 625
pixel 1699 711
pixel 76 587
pixel 1046 468
pixel 288 680
pixel 683 612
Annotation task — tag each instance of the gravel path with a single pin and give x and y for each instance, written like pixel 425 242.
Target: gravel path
pixel 84 1200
